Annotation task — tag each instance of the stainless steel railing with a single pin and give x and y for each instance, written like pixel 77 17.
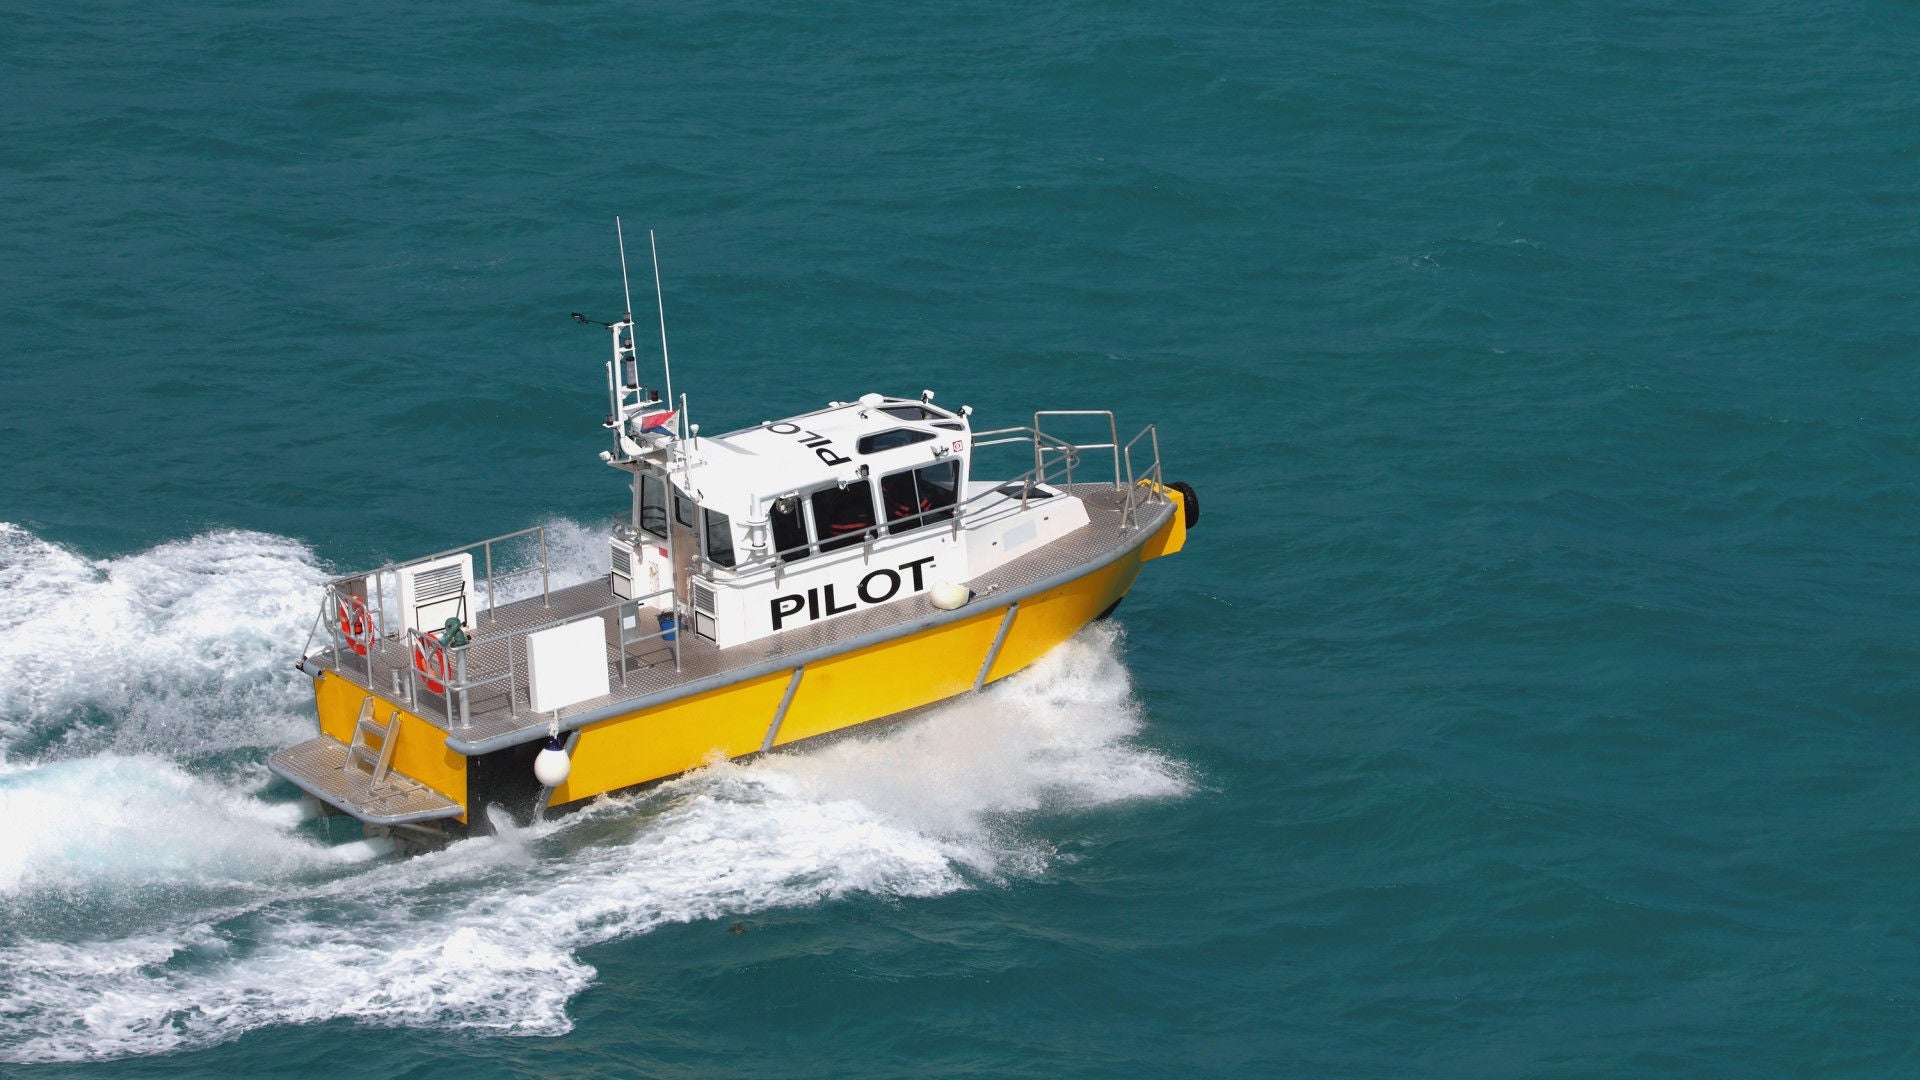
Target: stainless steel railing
pixel 372 585
pixel 1054 462
pixel 456 697
pixel 377 579
pixel 1050 452
pixel 457 679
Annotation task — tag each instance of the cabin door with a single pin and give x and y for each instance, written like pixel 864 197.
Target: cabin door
pixel 686 544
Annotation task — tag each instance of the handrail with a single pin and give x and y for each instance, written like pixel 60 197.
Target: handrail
pixel 1043 443
pixel 458 685
pixel 551 623
pixel 1112 443
pixel 330 601
pixel 393 566
pixel 1130 516
pixel 774 560
pixel 319 620
pixel 375 581
pixel 1050 452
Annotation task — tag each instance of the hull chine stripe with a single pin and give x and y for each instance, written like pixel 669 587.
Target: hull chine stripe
pixel 780 714
pixel 999 639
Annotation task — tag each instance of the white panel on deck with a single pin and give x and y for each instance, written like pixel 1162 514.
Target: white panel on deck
pixel 432 592
pixel 567 664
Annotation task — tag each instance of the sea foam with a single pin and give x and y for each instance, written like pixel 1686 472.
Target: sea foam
pixel 485 935
pixel 182 651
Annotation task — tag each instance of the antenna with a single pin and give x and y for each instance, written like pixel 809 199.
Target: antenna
pixel 661 305
pixel 623 266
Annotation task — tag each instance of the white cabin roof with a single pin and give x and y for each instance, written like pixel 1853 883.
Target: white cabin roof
pixel 729 472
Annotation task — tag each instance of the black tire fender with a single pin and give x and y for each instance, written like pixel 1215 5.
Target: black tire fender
pixel 1192 500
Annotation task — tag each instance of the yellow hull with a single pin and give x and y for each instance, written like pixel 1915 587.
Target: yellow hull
pixel 421 751
pixel 827 695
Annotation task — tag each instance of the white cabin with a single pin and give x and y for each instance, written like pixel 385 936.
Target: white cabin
pixel 804 520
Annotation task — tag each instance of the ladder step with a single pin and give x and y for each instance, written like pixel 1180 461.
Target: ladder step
pixel 362 752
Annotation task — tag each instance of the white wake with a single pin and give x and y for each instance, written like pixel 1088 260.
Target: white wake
pixel 213 914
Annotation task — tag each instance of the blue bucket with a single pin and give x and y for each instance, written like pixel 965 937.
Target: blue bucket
pixel 667 625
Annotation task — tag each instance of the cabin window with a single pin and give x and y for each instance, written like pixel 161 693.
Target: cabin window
pixel 719 538
pixel 683 509
pixel 843 516
pixel 908 412
pixel 789 529
pixel 921 496
pixel 653 504
pixel 891 440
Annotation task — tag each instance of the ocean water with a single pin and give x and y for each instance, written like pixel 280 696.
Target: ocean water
pixel 1536 698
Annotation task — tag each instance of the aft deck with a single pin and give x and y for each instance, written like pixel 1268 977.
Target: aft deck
pixel 496 711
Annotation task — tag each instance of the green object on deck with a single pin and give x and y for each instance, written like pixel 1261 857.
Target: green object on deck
pixel 451 635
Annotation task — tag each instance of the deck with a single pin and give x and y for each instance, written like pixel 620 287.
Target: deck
pixel 498 713
pixel 320 766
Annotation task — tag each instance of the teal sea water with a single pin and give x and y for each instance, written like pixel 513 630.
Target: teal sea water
pixel 1537 697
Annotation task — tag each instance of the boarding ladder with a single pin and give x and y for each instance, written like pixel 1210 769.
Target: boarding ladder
pixel 364 756
pixel 358 776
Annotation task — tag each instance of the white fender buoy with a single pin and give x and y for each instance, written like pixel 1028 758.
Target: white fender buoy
pixel 947 596
pixel 552 765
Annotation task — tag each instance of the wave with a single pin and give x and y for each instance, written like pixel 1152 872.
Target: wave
pixel 211 912
pixel 184 651
pixel 135 823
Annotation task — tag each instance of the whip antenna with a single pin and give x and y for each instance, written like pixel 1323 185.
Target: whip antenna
pixel 661 305
pixel 623 266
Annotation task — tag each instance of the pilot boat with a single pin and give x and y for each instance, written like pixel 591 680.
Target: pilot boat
pixel 769 587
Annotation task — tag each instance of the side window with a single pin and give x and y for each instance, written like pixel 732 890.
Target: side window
pixel 939 489
pixel 683 510
pixel 653 504
pixel 891 440
pixel 901 497
pixel 789 529
pixel 844 516
pixel 719 538
pixel 920 497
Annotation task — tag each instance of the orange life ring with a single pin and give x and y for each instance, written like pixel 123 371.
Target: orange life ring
pixel 430 659
pixel 356 625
